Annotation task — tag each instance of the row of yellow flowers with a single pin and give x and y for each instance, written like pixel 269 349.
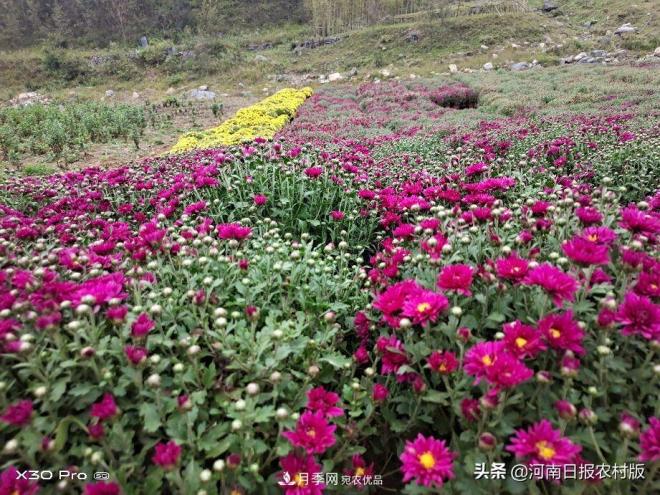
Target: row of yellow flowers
pixel 263 119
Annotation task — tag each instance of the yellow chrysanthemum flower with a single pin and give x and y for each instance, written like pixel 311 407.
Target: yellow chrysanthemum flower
pixel 262 119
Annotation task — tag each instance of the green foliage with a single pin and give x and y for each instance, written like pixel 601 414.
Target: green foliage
pixel 62 131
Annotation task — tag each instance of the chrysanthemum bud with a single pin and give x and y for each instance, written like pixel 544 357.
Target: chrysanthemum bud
pixel 487 441
pixel 252 388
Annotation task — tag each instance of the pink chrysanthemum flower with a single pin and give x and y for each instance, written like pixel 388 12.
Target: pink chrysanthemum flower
pixel 508 371
pixel 319 399
pixel 542 444
pixel 313 172
pixel 480 358
pixel 562 332
pixel 585 252
pixel 393 354
pixel 18 414
pixel 638 315
pixel 559 286
pixel 648 284
pixel 512 267
pixel 337 215
pixel 297 475
pixel 105 408
pixel 649 441
pixel 142 325
pixel 599 235
pixel 360 471
pixel 379 392
pixel 470 409
pixel 522 341
pixel 259 199
pixel 102 488
pixel 638 221
pixel 313 433
pixel 393 298
pixel 425 306
pixel 457 278
pixel 135 354
pixel 428 461
pixel 491 361
pixel 166 454
pixel 12 484
pixel 443 362
pixel 589 215
pixel 234 231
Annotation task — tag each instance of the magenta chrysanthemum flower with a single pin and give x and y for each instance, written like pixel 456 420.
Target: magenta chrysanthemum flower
pixel 18 414
pixel 424 306
pixel 541 444
pixel 167 454
pixel 142 325
pixel 599 235
pixel 313 433
pixel 259 199
pixel 456 277
pixel 444 362
pixel 559 286
pixel 428 461
pixel 313 172
pixel 491 361
pixel 195 208
pixel 512 268
pixel 589 215
pixel 470 409
pixel 297 475
pixel 102 488
pixel 135 354
pixel 638 315
pixel 105 408
pixel 523 341
pixel 319 399
pixel 379 392
pixel 638 221
pixel 562 332
pixel 393 354
pixel 649 441
pixel 585 252
pixel 648 284
pixel 337 215
pixel 12 484
pixel 480 358
pixel 234 231
pixel 392 299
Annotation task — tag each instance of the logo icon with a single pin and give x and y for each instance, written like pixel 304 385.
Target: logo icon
pixel 286 480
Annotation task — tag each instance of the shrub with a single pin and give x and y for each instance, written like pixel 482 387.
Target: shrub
pixel 457 96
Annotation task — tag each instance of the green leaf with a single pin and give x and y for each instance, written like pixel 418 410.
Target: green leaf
pixel 150 417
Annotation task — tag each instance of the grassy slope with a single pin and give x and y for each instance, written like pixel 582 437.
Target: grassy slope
pixel 228 66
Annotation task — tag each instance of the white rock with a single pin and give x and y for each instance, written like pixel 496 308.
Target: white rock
pixel 204 87
pixel 385 73
pixel 657 52
pixel 335 76
pixel 136 94
pixel 580 56
pixel 109 93
pixel 453 68
pixel 626 28
pixel 488 66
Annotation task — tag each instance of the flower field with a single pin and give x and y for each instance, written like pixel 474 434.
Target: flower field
pixel 377 300
pixel 262 119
